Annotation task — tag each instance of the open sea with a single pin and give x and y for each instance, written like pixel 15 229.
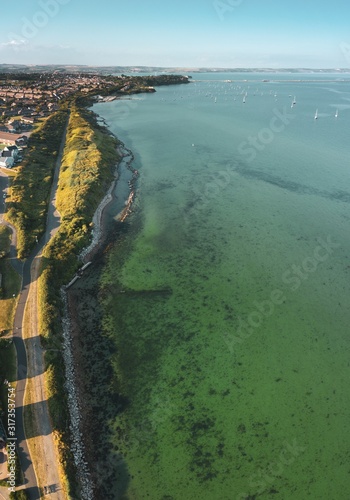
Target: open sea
pixel 233 331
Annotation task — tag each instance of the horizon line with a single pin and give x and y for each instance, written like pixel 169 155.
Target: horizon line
pixel 216 68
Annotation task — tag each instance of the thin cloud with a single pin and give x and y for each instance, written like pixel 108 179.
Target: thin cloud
pixel 42 54
pixel 14 43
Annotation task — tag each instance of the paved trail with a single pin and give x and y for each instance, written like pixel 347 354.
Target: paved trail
pixel 37 453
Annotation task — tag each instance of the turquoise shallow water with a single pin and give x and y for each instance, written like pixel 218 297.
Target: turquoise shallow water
pixel 238 379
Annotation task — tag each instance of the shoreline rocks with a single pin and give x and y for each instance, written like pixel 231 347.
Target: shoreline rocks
pixel 71 385
pixel 127 158
pixel 77 446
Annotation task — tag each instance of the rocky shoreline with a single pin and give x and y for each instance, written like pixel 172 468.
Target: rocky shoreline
pixel 72 375
pixel 127 159
pixel 82 446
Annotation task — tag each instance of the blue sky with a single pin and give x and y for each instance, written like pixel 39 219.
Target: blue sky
pixel 191 33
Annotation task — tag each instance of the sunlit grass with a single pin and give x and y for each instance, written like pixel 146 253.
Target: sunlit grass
pixel 31 185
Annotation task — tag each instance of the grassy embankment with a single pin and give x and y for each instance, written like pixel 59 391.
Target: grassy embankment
pixel 86 172
pixel 87 169
pixel 30 188
pixel 10 283
pixel 19 495
pixel 10 279
pixel 9 289
pixel 32 183
pixel 8 370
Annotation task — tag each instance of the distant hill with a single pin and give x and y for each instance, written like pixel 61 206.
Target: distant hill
pixel 107 70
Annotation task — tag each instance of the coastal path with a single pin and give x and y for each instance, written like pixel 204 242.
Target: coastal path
pixel 37 452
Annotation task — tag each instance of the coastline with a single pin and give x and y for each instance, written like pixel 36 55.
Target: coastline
pixel 216 240
pixel 81 416
pixel 126 160
pixel 74 406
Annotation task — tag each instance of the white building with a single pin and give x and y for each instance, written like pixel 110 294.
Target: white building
pixel 10 151
pixel 6 161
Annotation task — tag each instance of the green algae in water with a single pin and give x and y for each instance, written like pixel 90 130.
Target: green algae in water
pixel 217 410
pixel 204 420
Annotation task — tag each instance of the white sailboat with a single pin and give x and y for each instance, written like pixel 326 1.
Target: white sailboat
pixel 316 114
pixel 336 114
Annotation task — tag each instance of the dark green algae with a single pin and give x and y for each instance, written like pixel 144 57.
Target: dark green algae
pixel 181 414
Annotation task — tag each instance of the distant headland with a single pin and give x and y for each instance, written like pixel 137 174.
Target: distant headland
pixel 108 70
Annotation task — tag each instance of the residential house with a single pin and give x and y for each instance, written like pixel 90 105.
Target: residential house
pixel 21 141
pixel 28 119
pixel 11 151
pixel 6 161
pixel 13 139
pixel 14 126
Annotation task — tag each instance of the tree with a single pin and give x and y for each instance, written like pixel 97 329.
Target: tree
pixel 19 495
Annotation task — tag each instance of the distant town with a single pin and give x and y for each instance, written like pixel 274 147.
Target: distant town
pixel 26 98
pixel 151 70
